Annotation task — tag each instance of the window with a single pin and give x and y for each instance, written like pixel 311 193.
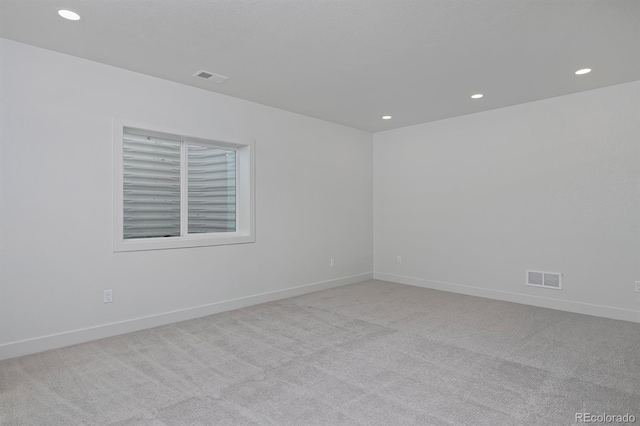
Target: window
pixel 174 191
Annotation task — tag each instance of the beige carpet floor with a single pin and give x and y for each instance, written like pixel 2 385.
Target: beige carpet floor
pixel 373 353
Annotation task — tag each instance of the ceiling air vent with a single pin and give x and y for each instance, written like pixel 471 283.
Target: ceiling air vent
pixel 209 76
pixel 544 279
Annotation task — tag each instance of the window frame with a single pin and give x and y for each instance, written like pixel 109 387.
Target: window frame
pixel 245 191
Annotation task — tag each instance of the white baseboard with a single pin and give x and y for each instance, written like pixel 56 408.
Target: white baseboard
pixel 525 299
pixel 67 338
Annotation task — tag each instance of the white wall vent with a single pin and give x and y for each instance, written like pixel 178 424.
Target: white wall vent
pixel 209 76
pixel 544 279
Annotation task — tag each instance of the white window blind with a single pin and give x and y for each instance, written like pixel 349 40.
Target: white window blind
pixel 151 197
pixel 156 180
pixel 211 189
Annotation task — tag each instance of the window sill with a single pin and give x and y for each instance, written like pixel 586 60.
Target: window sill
pixel 202 240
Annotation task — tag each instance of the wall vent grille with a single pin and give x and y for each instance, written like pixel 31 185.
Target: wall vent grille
pixel 209 76
pixel 544 279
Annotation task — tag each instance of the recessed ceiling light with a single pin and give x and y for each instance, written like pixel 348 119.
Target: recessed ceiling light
pixel 583 71
pixel 69 14
pixel 386 117
pixel 477 96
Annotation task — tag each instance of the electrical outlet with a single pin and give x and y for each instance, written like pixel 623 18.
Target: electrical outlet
pixel 398 259
pixel 638 286
pixel 108 296
pixel 332 263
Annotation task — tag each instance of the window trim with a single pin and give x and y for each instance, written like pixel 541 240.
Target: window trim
pixel 245 191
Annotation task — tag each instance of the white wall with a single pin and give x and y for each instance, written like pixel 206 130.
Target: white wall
pixel 471 202
pixel 314 202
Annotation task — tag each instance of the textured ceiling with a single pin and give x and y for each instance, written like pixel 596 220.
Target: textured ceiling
pixel 352 61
